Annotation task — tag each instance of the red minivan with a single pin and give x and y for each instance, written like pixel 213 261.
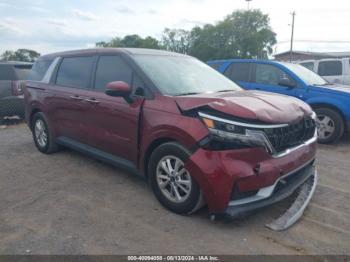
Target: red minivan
pixel 197 137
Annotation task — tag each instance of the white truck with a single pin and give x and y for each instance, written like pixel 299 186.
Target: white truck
pixel 334 70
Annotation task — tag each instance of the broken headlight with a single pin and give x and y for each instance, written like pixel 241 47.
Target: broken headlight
pixel 228 134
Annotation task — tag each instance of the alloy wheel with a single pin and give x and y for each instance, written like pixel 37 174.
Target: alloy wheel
pixel 173 179
pixel 40 133
pixel 325 126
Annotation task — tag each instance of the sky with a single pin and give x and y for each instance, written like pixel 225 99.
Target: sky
pixel 56 25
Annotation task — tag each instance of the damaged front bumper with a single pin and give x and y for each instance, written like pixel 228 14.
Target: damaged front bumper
pixel 301 181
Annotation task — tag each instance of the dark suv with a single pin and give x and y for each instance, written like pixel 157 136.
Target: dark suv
pixel 12 75
pixel 196 136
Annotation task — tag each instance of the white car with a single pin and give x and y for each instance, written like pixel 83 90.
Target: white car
pixel 334 70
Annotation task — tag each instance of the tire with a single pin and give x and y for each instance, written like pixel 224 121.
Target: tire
pixel 42 135
pixel 330 125
pixel 175 155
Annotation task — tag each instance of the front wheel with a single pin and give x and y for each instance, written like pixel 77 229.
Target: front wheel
pixel 171 182
pixel 330 125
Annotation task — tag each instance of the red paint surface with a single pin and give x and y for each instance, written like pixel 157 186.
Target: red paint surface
pixel 113 125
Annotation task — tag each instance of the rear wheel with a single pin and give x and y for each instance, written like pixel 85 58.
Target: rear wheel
pixel 330 125
pixel 171 182
pixel 43 137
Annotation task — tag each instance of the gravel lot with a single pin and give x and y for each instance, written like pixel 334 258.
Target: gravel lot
pixel 68 203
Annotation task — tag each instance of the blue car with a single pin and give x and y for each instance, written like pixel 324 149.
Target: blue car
pixel 330 102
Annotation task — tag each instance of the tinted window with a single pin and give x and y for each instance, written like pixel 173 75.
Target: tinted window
pixel 308 65
pixel 269 74
pixel 7 72
pixel 330 68
pixel 39 69
pixel 112 68
pixel 238 72
pixel 75 72
pixel 22 71
pixel 216 66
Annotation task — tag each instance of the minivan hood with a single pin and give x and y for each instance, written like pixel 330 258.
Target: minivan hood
pixel 253 105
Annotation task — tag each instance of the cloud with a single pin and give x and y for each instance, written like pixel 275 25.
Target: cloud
pixel 85 15
pixel 186 21
pixel 152 12
pixel 9 28
pixel 125 10
pixel 57 22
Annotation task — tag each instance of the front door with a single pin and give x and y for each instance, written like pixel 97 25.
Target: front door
pixel 267 77
pixel 115 122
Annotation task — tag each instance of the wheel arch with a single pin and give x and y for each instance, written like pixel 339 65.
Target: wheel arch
pixel 151 147
pixel 330 106
pixel 32 113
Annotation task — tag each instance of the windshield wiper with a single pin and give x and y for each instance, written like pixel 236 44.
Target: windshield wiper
pixel 188 94
pixel 226 90
pixel 325 84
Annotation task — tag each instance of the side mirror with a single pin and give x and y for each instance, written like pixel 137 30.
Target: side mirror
pixel 287 82
pixel 119 89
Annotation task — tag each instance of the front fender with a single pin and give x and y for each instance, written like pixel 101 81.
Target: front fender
pixel 331 102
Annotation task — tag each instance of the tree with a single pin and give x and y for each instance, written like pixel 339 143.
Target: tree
pixel 131 41
pixel 24 55
pixel 176 40
pixel 242 34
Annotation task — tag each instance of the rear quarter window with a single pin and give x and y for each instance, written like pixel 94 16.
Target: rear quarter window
pixel 216 66
pixel 7 72
pixel 22 71
pixel 39 70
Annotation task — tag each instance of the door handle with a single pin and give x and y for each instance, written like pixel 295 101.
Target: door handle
pixel 76 98
pixel 92 100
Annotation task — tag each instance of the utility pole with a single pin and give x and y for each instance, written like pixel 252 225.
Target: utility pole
pixel 248 1
pixel 292 39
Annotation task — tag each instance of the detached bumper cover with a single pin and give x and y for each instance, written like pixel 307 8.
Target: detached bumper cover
pixel 303 181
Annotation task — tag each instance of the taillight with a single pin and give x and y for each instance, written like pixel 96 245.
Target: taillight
pixel 17 88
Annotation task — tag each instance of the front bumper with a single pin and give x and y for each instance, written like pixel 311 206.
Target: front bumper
pixel 281 189
pixel 249 171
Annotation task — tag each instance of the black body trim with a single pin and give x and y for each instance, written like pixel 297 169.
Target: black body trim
pixel 99 154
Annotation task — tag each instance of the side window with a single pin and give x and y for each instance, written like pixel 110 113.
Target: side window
pixel 39 69
pixel 75 72
pixel 269 74
pixel 7 72
pixel 308 65
pixel 112 68
pixel 238 72
pixel 330 68
pixel 216 66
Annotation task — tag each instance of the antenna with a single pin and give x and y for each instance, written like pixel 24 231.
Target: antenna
pixel 248 1
pixel 292 39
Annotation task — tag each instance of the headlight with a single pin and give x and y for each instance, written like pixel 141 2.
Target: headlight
pixel 235 133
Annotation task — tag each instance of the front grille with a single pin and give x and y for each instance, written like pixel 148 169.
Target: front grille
pixel 292 135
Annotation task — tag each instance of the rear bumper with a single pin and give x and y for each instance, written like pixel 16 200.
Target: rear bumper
pixel 277 192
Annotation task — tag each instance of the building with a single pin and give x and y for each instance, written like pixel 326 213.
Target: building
pixel 301 55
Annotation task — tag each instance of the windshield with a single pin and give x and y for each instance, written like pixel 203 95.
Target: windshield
pixel 179 75
pixel 308 76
